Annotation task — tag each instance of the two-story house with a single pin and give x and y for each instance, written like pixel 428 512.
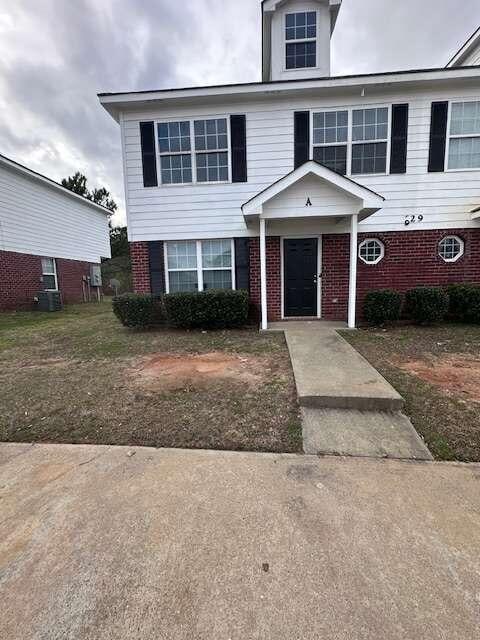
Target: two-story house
pixel 308 190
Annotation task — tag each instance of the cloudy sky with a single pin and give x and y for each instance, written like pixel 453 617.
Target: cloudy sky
pixel 56 55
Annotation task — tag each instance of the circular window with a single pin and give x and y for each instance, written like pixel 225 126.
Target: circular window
pixel 371 251
pixel 451 248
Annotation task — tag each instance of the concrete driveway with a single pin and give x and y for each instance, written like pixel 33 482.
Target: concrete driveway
pixel 99 544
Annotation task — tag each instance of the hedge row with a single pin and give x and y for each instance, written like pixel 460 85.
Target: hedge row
pixel 207 310
pixel 424 305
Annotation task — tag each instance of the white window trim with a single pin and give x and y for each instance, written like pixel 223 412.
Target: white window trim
pixel 53 273
pixel 462 248
pixel 382 251
pixel 192 153
pixel 285 68
pixel 350 142
pixel 449 136
pixel 199 268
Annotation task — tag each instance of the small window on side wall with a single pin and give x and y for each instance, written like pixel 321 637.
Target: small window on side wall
pixel 451 248
pixel 49 274
pixel 371 251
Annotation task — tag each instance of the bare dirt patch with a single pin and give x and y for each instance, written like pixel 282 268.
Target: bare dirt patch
pixel 456 374
pixel 168 372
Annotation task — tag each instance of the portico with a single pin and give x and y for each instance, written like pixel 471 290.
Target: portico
pixel 300 207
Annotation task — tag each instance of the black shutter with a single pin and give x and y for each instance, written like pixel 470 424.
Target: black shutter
pixel 438 136
pixel 398 156
pixel 242 263
pixel 157 267
pixel 149 163
pixel 302 137
pixel 238 135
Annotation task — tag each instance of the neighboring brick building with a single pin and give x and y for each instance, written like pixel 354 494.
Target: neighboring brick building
pixel 49 238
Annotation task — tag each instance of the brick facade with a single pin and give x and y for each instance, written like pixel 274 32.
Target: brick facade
pixel 22 279
pixel 411 259
pixel 140 267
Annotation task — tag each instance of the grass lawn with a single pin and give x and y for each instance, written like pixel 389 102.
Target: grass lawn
pixel 437 370
pixel 79 377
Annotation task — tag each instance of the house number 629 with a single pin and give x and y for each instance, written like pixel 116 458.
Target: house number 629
pixel 412 218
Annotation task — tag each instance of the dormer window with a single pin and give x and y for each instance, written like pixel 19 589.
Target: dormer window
pixel 301 40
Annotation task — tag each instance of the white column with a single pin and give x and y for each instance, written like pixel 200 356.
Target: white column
pixel 352 290
pixel 263 272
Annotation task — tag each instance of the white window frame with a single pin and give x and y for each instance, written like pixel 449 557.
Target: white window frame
pixel 350 142
pixel 382 251
pixel 200 269
pixel 450 136
pixel 193 150
pixel 461 241
pixel 53 273
pixel 293 69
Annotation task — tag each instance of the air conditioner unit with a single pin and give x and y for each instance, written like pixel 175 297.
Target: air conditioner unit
pixel 49 301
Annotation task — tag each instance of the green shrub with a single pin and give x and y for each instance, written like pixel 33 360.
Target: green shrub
pixel 426 305
pixel 382 307
pixel 208 310
pixel 465 302
pixel 139 311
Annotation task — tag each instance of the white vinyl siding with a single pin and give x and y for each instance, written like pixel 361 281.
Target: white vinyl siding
pixel 39 219
pixel 214 210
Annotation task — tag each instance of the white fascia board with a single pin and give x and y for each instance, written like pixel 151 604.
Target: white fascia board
pixel 116 102
pixel 34 176
pixel 463 52
pixel 475 213
pixel 369 199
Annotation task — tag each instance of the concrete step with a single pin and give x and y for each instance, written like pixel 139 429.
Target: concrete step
pixel 329 373
pixel 350 432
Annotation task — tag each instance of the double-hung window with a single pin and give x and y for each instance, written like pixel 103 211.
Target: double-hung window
pixel 301 40
pixel 193 151
pixel 369 140
pixel 199 265
pixel 175 157
pixel 49 274
pixel 211 150
pixel 330 137
pixel 464 138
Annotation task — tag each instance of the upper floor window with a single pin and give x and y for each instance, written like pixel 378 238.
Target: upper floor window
pixel 464 138
pixel 352 142
pixel 301 40
pixel 369 140
pixel 49 274
pixel 195 151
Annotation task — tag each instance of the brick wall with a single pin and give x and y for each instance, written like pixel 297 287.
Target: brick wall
pixel 70 274
pixel 411 259
pixel 140 267
pixel 273 276
pixel 21 275
pixel 20 279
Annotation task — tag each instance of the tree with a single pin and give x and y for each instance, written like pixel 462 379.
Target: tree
pixel 78 184
pixel 119 241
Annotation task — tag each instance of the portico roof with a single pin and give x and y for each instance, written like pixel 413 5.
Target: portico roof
pixel 361 200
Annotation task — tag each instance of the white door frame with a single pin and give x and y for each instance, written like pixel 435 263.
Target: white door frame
pixel 300 236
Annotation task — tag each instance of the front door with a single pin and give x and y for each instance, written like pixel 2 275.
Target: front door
pixel 300 277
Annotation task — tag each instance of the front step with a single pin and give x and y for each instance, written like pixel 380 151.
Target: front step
pixel 349 432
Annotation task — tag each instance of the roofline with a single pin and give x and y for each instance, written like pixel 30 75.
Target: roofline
pixel 38 176
pixel 357 184
pixel 270 85
pixel 464 49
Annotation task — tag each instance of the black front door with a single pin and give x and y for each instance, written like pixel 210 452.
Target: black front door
pixel 300 277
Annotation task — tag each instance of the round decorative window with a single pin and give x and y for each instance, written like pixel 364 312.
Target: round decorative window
pixel 451 248
pixel 371 251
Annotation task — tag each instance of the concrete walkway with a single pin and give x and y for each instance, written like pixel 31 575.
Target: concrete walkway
pixel 97 544
pixel 348 408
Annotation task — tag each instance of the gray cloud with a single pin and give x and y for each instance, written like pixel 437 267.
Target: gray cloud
pixel 55 55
